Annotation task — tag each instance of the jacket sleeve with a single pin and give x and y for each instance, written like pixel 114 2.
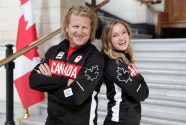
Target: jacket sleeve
pixel 135 86
pixel 45 83
pixel 83 86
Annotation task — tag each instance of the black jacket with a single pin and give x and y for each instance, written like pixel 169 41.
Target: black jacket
pixel 125 89
pixel 75 104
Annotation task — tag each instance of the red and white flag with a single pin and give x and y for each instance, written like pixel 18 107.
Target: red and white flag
pixel 25 63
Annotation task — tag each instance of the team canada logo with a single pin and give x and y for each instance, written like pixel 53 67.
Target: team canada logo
pixel 78 58
pixel 133 70
pixel 92 73
pixel 123 75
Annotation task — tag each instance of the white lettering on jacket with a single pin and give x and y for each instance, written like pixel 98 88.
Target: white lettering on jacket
pixel 64 69
pixel 133 70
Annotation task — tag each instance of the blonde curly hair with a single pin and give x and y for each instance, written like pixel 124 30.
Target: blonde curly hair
pixel 80 11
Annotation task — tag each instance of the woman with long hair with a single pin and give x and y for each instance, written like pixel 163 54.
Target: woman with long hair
pixel 126 87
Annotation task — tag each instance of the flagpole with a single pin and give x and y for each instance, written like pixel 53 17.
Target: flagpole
pixel 27 114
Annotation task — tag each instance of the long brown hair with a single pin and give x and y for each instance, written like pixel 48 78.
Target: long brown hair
pixel 80 11
pixel 107 48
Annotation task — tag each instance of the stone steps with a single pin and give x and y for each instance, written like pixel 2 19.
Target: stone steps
pixel 141 36
pixel 158 43
pixel 159 118
pixel 171 64
pixel 36 120
pixel 161 53
pixel 18 112
pixel 163 75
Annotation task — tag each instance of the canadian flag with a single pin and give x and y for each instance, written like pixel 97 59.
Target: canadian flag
pixel 25 63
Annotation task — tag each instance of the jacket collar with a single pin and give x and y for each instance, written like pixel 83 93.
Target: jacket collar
pixel 64 45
